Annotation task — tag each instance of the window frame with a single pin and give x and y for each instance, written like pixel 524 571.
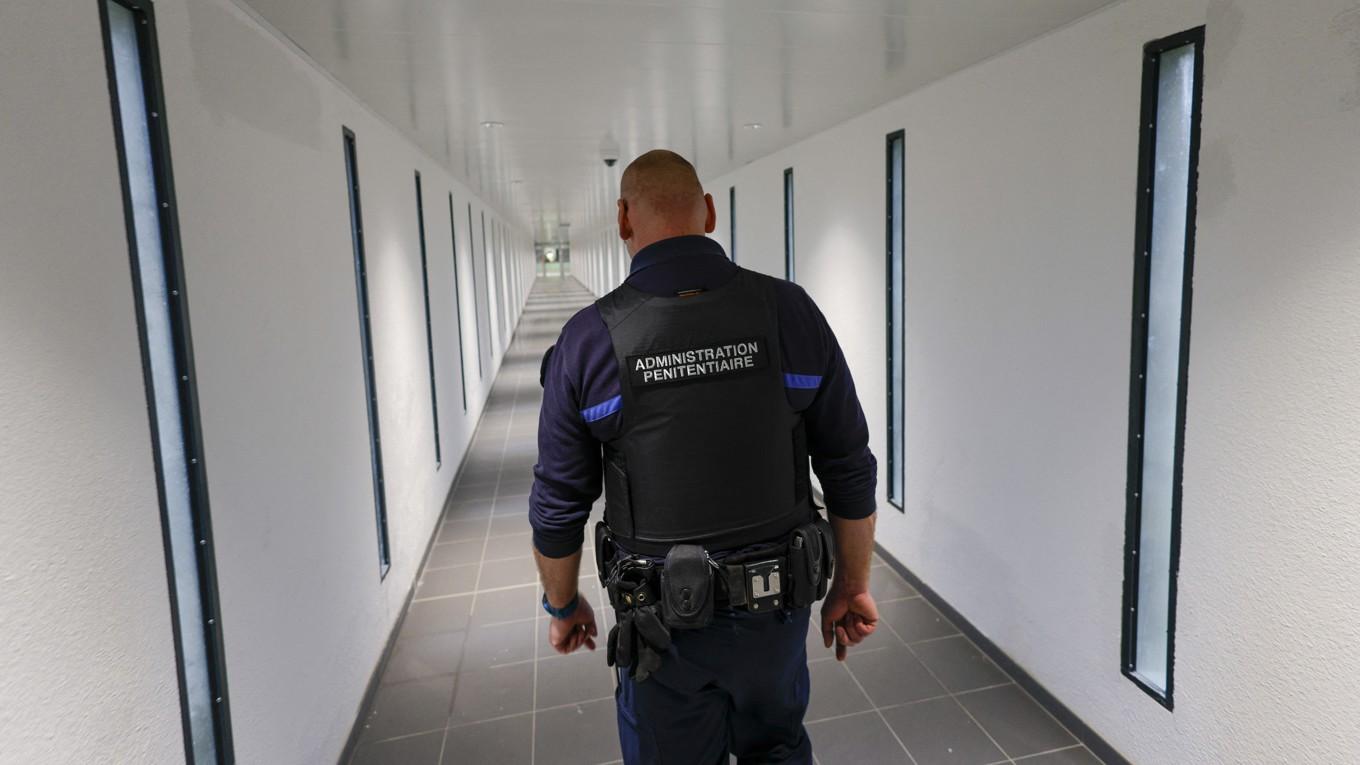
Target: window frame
pixel 181 338
pixel 895 293
pixel 429 322
pixel 1152 53
pixel 476 298
pixel 457 301
pixel 732 223
pixel 365 307
pixel 789 264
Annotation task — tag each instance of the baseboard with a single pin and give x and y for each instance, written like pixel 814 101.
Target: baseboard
pixel 1048 701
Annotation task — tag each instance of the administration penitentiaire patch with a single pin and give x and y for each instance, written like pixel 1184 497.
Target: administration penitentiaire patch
pixel 719 359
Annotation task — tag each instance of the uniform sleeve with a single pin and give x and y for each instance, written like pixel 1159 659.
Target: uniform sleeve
pixel 838 435
pixel 568 475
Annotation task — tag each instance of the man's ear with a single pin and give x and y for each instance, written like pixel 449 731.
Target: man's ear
pixel 625 225
pixel 711 221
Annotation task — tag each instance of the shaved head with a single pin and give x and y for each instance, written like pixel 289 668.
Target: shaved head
pixel 660 196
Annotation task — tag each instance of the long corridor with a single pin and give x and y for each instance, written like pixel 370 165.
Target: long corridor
pixel 472 680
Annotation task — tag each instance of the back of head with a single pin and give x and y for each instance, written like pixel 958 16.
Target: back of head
pixel 663 195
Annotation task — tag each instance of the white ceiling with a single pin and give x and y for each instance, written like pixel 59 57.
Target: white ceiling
pixel 562 75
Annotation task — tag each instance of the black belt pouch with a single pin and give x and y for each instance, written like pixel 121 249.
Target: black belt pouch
pixel 687 588
pixel 808 569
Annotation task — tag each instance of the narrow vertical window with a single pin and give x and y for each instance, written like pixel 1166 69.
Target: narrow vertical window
pixel 429 324
pixel 502 283
pixel 457 303
pixel 732 223
pixel 896 321
pixel 788 224
pixel 489 276
pixel 1164 258
pixel 158 287
pixel 356 227
pixel 476 298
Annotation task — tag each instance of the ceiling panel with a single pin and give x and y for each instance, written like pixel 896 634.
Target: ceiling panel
pixel 562 75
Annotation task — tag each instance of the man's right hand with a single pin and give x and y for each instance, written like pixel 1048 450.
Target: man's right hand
pixel 848 618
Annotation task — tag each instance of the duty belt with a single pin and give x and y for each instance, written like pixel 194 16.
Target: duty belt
pixel 651 598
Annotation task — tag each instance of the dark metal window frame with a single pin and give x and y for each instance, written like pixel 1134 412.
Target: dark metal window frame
pixel 181 337
pixel 788 224
pixel 895 218
pixel 1152 53
pixel 489 276
pixel 476 299
pixel 458 302
pixel 429 324
pixel 732 222
pixel 356 220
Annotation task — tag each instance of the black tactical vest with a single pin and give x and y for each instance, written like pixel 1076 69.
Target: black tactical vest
pixel 709 450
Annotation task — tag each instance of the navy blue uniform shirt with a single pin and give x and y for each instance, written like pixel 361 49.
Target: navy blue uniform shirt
pixel 582 397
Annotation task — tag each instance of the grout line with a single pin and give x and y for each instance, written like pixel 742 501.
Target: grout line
pixel 1051 751
pixel 472 592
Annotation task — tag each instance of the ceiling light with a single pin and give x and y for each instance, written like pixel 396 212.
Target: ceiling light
pixel 493 124
pixel 752 126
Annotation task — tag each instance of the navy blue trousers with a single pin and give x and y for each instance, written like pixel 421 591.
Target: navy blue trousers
pixel 738 686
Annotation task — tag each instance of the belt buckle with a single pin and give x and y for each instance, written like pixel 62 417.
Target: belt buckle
pixel 763 584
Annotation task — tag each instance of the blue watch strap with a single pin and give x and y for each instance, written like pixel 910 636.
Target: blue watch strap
pixel 563 612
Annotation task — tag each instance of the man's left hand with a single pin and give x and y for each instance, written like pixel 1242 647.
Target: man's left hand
pixel 567 635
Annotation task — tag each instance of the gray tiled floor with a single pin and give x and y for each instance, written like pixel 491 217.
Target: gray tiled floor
pixel 471 679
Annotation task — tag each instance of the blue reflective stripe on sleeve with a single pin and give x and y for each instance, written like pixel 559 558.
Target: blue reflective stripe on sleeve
pixel 802 382
pixel 602 410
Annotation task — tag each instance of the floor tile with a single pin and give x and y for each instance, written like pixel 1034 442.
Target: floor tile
pixel 417 706
pixel 939 732
pixel 469 509
pixel 893 675
pixel 507 573
pixel 581 676
pixel 494 692
pixel 518 483
pixel 834 691
pixel 1017 723
pixel 513 503
pixel 413 750
pixel 499 644
pixel 498 742
pixel 438 582
pixel 885 584
pixel 513 546
pixel 959 664
pixel 459 530
pixel 815 648
pixel 510 524
pixel 473 491
pixel 580 734
pixel 513 604
pixel 915 619
pixel 424 657
pixel 429 617
pixel 455 554
pixel 856 740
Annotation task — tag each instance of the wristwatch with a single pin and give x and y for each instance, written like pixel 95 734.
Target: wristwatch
pixel 564 611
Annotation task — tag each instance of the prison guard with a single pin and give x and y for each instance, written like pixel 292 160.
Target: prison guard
pixel 709 451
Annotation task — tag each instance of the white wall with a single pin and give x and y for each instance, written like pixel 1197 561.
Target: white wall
pixel 1021 177
pixel 87 669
